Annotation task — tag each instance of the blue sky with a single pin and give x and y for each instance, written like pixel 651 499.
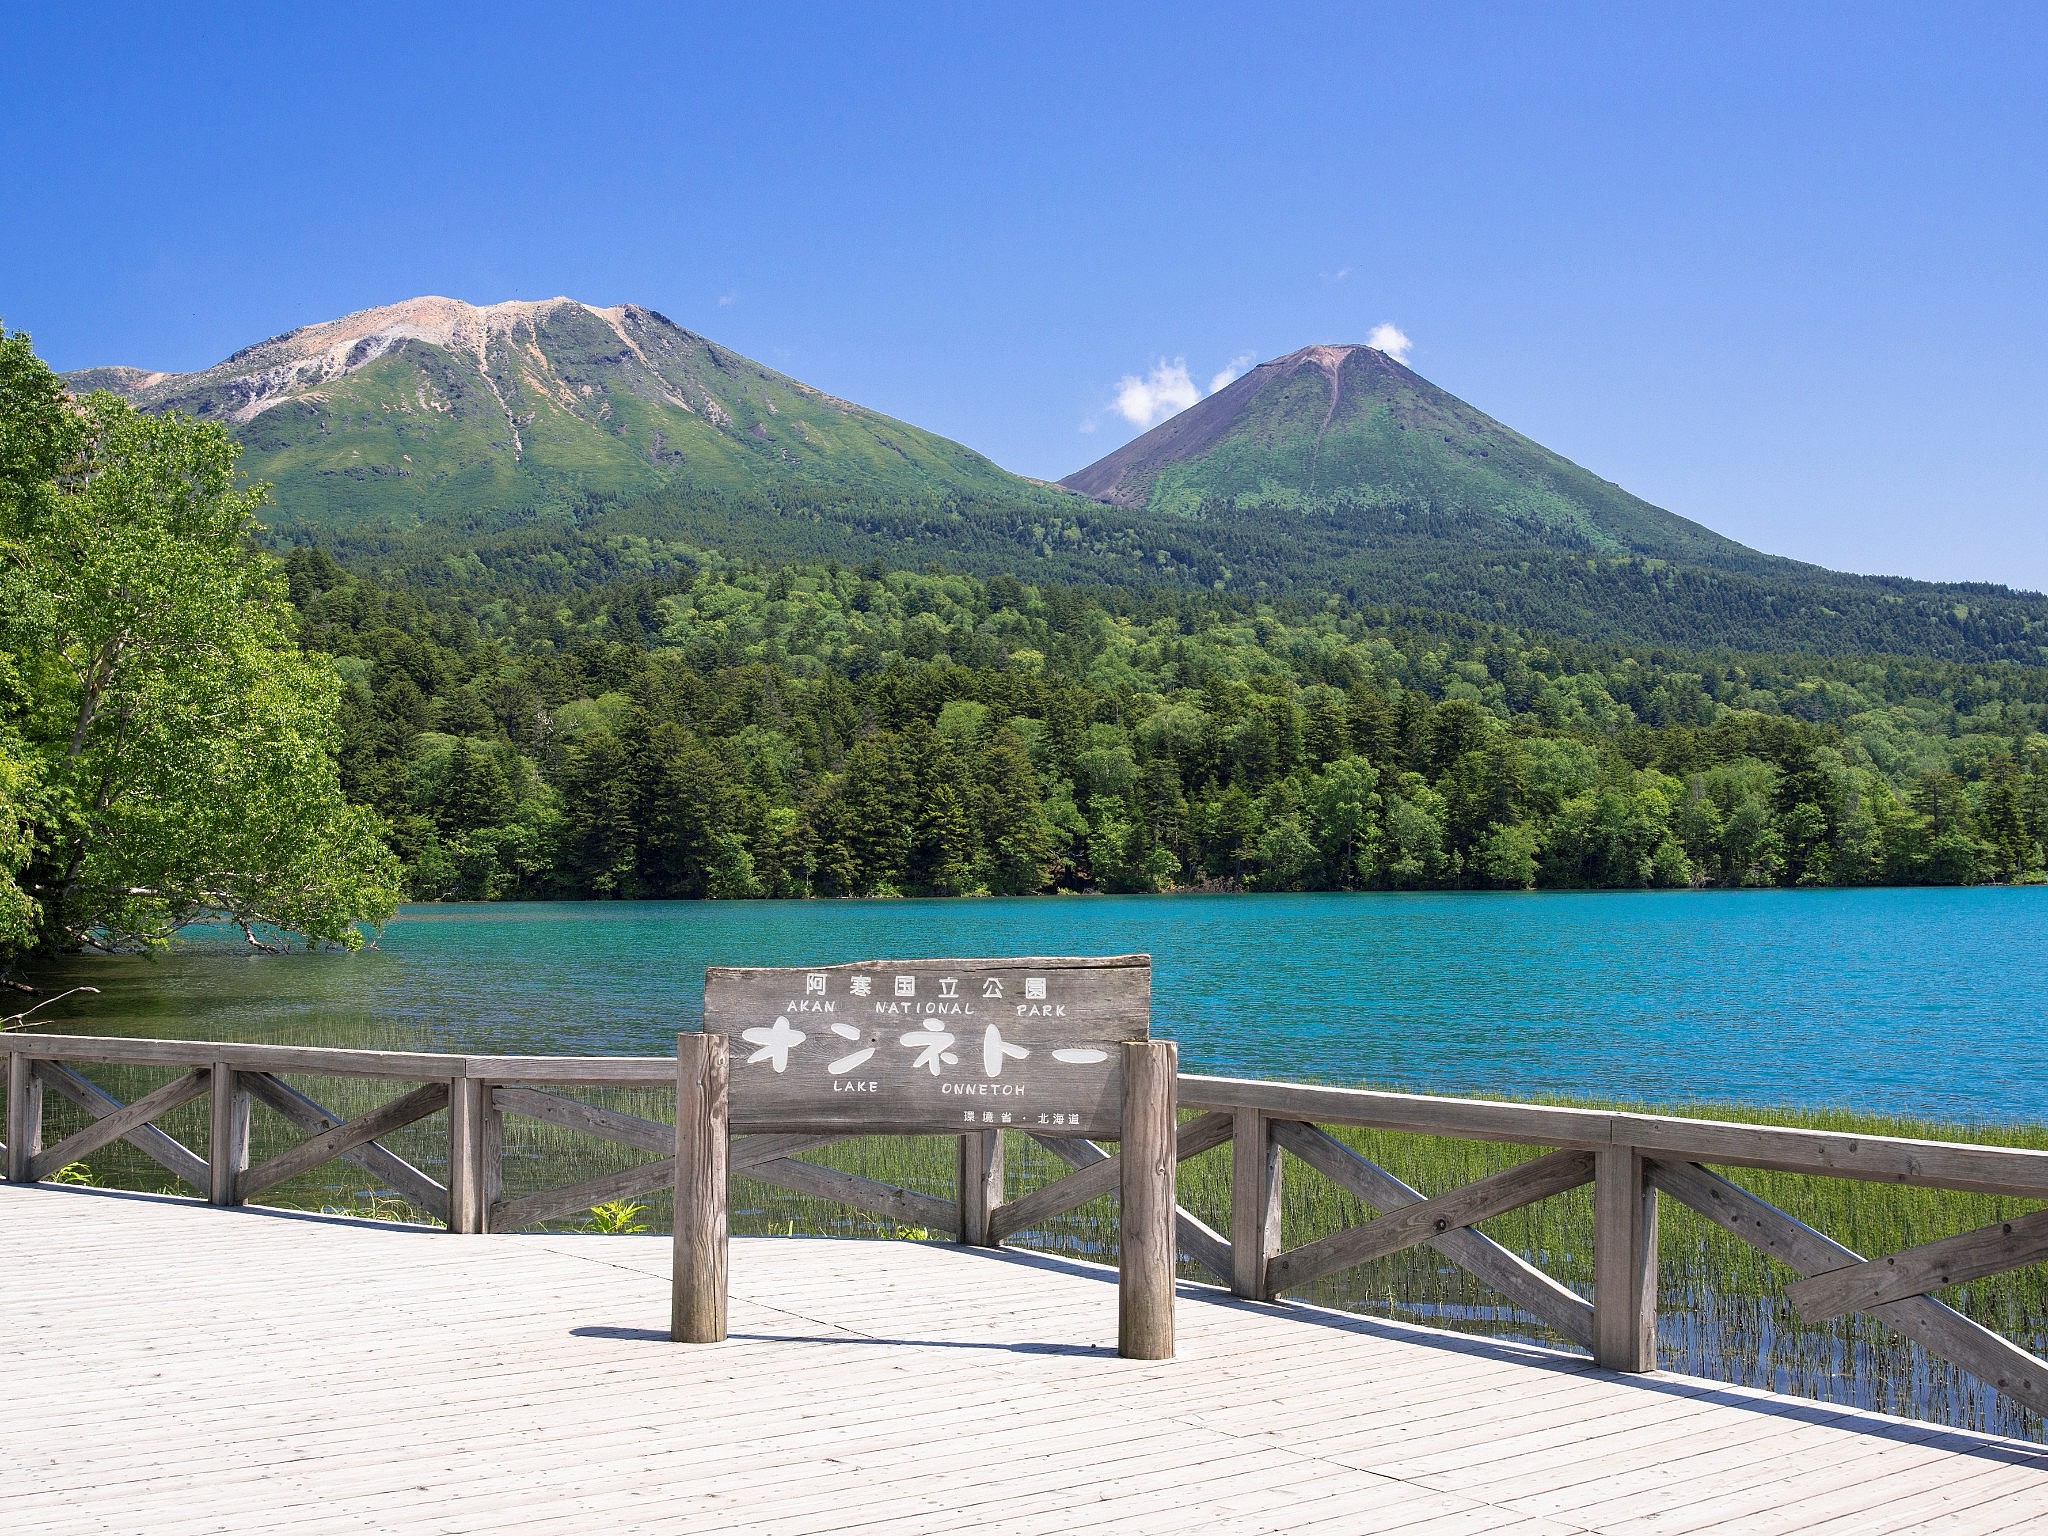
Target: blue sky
pixel 1779 269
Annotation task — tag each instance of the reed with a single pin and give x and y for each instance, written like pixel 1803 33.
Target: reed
pixel 1723 1309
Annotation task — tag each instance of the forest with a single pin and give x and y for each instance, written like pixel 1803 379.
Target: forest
pixel 742 729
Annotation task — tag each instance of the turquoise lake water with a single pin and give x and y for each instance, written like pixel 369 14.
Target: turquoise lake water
pixel 1927 1002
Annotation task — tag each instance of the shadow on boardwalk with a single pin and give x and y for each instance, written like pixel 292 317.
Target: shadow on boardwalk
pixel 178 1368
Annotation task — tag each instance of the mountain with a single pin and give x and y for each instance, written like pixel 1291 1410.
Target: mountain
pixel 549 446
pixel 1352 431
pixel 437 412
pixel 1389 488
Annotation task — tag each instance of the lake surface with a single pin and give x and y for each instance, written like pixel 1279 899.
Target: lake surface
pixel 1925 1002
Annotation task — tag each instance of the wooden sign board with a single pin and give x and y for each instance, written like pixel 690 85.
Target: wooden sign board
pixel 931 1045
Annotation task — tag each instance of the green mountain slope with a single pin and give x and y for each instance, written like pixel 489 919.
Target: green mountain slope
pixel 438 413
pixel 554 446
pixel 1341 462
pixel 1350 432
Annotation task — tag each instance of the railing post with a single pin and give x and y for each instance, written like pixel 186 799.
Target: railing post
pixel 980 1185
pixel 24 1115
pixel 227 1146
pixel 490 1155
pixel 697 1312
pixel 1254 1203
pixel 468 1099
pixel 1145 1222
pixel 1624 1262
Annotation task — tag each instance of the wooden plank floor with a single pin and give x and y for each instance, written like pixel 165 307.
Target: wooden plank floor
pixel 171 1369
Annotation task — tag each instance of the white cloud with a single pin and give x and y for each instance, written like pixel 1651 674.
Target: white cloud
pixel 1337 276
pixel 1148 400
pixel 727 300
pixel 1230 371
pixel 1389 338
pixel 1145 400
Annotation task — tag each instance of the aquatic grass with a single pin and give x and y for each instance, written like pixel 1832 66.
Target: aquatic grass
pixel 1723 1312
pixel 374 1205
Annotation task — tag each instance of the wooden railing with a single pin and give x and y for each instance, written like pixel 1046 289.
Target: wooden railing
pixel 1628 1159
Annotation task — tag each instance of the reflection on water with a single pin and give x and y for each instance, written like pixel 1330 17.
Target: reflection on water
pixel 1918 1002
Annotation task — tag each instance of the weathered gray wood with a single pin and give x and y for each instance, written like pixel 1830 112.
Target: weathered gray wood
pixel 324 1061
pixel 380 1162
pixel 167 1153
pixel 466 1099
pixel 24 1116
pixel 1515 1278
pixel 1997 1170
pixel 1035 1207
pixel 316 1060
pixel 118 1123
pixel 1254 1203
pixel 888 1200
pixel 576 1071
pixel 2014 1371
pixel 1102 996
pixel 346 1137
pixel 936 1045
pixel 1195 1238
pixel 1145 1218
pixel 490 1157
pixel 1074 1151
pixel 591 1119
pixel 980 1184
pixel 498 1361
pixel 1202 1243
pixel 1469 1204
pixel 570 1199
pixel 1624 1263
pixel 1927 1267
pixel 1886 1159
pixel 1093 1181
pixel 702 1230
pixel 747 1151
pixel 227 1146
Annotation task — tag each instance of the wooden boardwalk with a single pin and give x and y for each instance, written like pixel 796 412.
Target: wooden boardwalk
pixel 171 1369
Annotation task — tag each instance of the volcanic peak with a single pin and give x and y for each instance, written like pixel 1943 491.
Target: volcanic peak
pixel 277 369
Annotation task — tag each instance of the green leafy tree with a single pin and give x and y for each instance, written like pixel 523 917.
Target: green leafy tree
pixel 600 832
pixel 2014 853
pixel 881 802
pixel 1344 812
pixel 40 437
pixel 882 731
pixel 1805 804
pixel 1506 857
pixel 1285 852
pixel 475 792
pixel 1122 857
pixel 1019 843
pixel 1415 833
pixel 1951 852
pixel 174 748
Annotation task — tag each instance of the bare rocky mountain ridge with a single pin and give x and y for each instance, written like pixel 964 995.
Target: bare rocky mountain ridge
pixel 433 408
pixel 303 361
pixel 553 443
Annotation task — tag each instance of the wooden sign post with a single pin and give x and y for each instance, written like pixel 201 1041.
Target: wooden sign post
pixel 1146 1214
pixel 1057 1048
pixel 702 1159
